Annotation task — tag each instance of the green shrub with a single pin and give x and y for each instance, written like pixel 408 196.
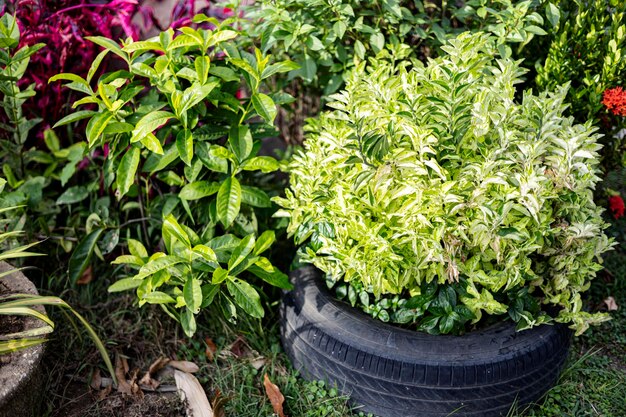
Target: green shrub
pixel 328 37
pixel 436 195
pixel 588 49
pixel 174 127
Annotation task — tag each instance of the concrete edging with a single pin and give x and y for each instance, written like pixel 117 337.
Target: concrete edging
pixel 21 379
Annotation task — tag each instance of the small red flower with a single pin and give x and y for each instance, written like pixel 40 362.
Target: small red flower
pixel 615 100
pixel 616 204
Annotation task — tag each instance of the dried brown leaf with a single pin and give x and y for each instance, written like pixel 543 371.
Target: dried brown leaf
pixel 96 380
pixel 240 347
pixel 86 277
pixel 258 362
pixel 184 366
pixel 158 365
pixel 148 381
pixel 211 348
pixel 105 392
pixel 611 305
pixel 121 367
pixel 197 401
pixel 218 404
pixel 275 396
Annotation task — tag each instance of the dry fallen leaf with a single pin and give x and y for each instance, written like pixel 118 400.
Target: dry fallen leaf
pixel 218 403
pixel 258 362
pixel 96 380
pixel 123 387
pixel 211 348
pixel 105 392
pixel 134 387
pixel 240 347
pixel 191 390
pixel 158 365
pixel 86 277
pixel 276 397
pixel 611 305
pixel 184 366
pixel 148 381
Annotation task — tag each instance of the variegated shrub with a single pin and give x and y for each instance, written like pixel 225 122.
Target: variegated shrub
pixel 438 197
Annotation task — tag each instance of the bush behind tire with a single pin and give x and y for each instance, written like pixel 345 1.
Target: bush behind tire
pixel 394 372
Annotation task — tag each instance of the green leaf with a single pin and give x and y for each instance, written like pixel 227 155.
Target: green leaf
pixel 255 197
pixel 156 265
pixel 192 293
pixel 118 127
pixel 152 143
pixel 268 273
pixel 202 65
pixel 377 40
pixel 553 14
pixel 241 251
pixel 128 259
pixel 188 322
pixel 228 201
pixel 136 248
pixel 264 241
pixel 246 297
pixel 126 171
pixel 66 76
pixel 283 66
pixel 198 189
pixel 184 144
pixel 222 36
pixel 536 30
pixel 339 28
pixel 158 297
pixel 96 126
pixel 124 284
pixel 264 106
pixel 224 73
pixel 219 275
pixel 73 195
pixel 143 46
pixel 171 227
pixel 95 64
pixel 308 68
pixel 245 65
pixel 240 141
pixel 265 164
pixel 359 49
pixel 74 117
pixel 149 123
pixel 82 255
pixel 110 45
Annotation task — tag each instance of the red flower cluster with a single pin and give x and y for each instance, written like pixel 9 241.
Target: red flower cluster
pixel 615 100
pixel 616 204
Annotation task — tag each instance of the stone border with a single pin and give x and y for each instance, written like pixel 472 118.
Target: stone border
pixel 21 379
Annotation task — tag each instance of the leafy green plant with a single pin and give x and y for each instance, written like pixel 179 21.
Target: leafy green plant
pixel 172 118
pixel 433 184
pixel 328 38
pixel 588 49
pixel 15 127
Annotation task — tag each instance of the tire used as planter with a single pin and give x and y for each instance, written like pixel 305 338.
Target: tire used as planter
pixel 21 376
pixel 395 372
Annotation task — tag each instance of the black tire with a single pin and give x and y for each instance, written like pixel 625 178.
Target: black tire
pixel 394 372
